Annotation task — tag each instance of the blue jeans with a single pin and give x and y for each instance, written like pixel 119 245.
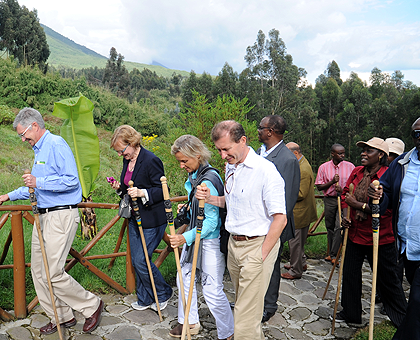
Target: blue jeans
pixel 144 288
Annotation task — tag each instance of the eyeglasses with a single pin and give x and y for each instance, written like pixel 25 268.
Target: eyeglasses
pixel 415 134
pixel 22 135
pixel 263 127
pixel 229 182
pixel 121 152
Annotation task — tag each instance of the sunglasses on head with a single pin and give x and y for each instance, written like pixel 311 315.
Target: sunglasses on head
pixel 415 134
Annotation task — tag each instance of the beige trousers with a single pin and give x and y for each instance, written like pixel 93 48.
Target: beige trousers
pixel 58 229
pixel 250 277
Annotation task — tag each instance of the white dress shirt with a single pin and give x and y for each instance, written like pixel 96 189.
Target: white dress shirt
pixel 254 191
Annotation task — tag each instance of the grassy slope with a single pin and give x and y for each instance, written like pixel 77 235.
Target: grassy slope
pixel 14 159
pixel 65 52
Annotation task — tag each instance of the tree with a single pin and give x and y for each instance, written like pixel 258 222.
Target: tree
pixel 226 81
pixel 333 71
pixel 273 69
pixel 116 77
pixel 21 35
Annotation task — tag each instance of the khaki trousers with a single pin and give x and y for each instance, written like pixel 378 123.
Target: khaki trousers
pixel 58 229
pixel 250 277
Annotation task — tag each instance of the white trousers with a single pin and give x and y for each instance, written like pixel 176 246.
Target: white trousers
pixel 58 229
pixel 213 267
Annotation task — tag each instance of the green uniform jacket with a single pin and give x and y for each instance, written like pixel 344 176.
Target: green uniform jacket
pixel 305 208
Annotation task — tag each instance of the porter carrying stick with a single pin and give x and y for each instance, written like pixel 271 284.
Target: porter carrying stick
pixel 340 273
pixel 199 226
pixel 34 203
pixel 375 236
pixel 170 219
pixel 146 255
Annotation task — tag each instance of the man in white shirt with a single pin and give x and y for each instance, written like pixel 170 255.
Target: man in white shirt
pixel 256 217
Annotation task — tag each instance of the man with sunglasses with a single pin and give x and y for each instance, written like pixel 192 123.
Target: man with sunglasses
pixel 55 179
pixel 400 190
pixel 270 133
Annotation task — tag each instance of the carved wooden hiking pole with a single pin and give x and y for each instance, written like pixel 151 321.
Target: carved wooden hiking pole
pixel 170 219
pixel 340 273
pixel 34 203
pixel 338 254
pixel 375 235
pixel 146 255
pixel 200 218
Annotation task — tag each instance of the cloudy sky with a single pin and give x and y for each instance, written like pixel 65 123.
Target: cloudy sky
pixel 203 35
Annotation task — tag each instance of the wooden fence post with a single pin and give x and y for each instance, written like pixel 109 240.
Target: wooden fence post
pixel 18 265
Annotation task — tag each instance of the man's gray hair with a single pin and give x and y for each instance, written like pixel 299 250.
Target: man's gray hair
pixel 27 116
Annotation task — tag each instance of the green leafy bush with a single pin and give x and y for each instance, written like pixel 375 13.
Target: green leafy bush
pixel 6 115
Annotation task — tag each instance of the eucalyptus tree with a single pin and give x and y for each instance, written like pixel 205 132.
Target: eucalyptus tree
pixel 21 35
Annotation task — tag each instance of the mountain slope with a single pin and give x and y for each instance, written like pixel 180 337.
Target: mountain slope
pixel 69 54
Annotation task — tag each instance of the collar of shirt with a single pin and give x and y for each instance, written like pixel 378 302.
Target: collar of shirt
pixel 414 157
pixel 38 145
pixel 264 152
pixel 247 162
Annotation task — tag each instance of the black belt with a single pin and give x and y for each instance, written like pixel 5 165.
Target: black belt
pixel 243 237
pixel 60 207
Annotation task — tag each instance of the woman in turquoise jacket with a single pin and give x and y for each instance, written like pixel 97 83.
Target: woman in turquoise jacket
pixel 193 156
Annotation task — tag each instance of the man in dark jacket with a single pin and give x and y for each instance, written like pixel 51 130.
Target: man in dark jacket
pixel 270 133
pixel 400 190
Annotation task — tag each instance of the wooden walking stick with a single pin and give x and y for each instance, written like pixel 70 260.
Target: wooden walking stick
pixel 146 255
pixel 200 218
pixel 339 251
pixel 170 219
pixel 375 236
pixel 340 273
pixel 34 203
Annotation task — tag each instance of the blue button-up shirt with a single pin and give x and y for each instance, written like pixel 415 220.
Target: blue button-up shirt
pixel 409 212
pixel 57 180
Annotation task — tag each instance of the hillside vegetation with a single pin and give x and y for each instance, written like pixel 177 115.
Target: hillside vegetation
pixel 68 54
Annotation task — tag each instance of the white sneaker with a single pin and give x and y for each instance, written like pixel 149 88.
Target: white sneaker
pixel 162 305
pixel 136 306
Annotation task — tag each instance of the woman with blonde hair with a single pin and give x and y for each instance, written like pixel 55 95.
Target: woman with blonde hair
pixel 193 156
pixel 145 170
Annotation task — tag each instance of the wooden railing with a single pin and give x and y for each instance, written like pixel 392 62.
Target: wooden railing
pixel 18 212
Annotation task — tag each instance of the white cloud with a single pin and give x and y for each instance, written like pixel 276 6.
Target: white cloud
pixel 203 35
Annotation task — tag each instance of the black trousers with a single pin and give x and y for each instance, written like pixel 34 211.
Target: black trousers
pixel 389 284
pixel 272 294
pixel 410 327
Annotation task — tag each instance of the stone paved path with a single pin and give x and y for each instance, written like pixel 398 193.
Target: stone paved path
pixel 302 314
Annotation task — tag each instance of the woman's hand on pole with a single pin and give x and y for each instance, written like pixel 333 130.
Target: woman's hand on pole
pixel 176 240
pixel 351 201
pixel 135 192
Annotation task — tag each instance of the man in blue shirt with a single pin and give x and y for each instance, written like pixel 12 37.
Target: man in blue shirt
pixel 400 190
pixel 57 188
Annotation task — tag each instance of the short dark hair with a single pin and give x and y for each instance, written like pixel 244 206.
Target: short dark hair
pixel 228 127
pixel 277 124
pixel 336 146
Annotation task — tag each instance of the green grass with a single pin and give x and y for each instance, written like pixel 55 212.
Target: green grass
pixel 383 331
pixel 315 246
